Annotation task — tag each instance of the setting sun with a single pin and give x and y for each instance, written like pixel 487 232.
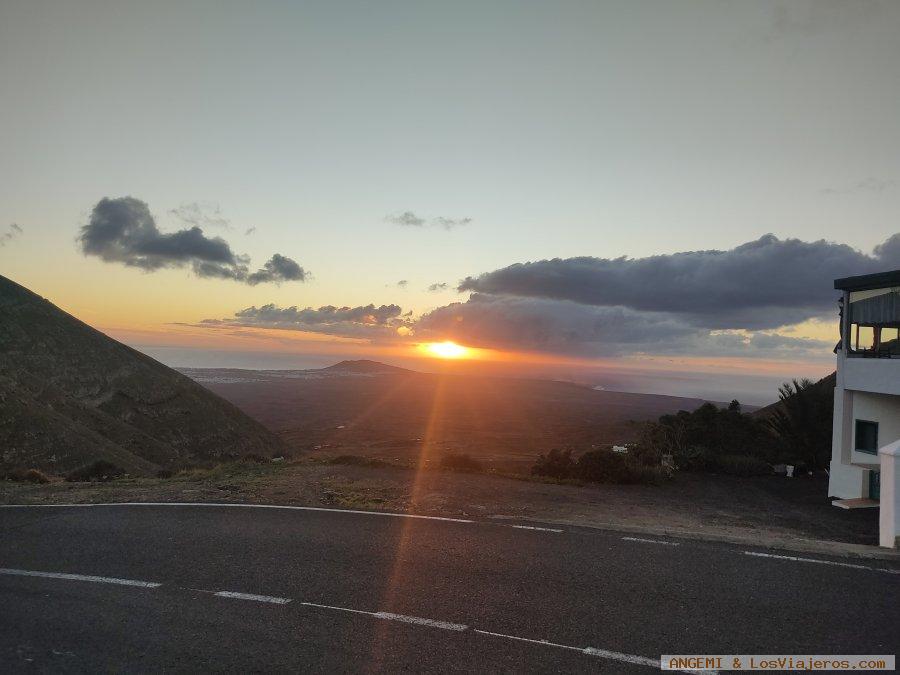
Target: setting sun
pixel 446 350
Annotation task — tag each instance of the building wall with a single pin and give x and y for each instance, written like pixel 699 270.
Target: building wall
pixel 871 375
pixel 881 408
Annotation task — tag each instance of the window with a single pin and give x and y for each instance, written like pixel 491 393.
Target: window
pixel 867 436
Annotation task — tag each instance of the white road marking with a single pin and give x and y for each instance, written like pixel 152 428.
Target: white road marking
pixel 592 651
pixel 389 616
pixel 651 541
pixel 821 562
pixel 531 527
pixel 446 625
pixel 79 577
pixel 244 506
pixel 251 596
pixel 339 609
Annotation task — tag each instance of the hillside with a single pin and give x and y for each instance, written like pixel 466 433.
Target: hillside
pixel 366 407
pixel 69 395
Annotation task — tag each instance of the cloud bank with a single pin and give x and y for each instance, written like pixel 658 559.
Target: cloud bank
pixel 762 284
pixel 370 321
pixel 122 230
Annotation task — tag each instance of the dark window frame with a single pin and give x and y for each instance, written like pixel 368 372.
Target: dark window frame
pixel 856 436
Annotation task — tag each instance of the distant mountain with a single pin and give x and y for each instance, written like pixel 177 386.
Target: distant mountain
pixel 365 367
pixel 70 395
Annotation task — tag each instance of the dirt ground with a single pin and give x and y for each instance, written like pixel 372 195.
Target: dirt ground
pixel 772 511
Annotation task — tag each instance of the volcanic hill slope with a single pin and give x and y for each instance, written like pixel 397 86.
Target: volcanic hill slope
pixel 70 395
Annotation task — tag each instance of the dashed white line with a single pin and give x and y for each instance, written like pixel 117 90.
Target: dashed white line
pixel 651 541
pixel 532 527
pixel 80 577
pixel 821 562
pixel 446 625
pixel 388 514
pixel 252 596
pixel 592 651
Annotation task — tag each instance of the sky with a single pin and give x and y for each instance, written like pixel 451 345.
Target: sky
pixel 645 195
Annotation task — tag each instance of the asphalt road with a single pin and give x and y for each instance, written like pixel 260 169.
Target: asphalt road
pixel 351 592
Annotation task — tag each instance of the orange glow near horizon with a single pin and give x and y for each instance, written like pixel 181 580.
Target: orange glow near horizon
pixel 446 350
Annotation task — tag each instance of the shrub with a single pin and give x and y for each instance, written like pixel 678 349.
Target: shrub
pixel 99 470
pixel 606 466
pixel 357 460
pixel 26 476
pixel 35 476
pixel 253 458
pixel 460 462
pixel 555 464
pixel 740 465
pixel 165 473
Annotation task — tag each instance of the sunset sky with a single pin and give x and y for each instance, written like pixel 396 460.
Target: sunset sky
pixel 651 196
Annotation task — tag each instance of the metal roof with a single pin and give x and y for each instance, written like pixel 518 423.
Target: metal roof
pixel 868 282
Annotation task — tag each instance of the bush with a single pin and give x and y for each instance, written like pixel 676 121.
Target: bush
pixel 165 473
pixel 26 476
pixel 604 466
pixel 598 466
pixel 253 458
pixel 36 476
pixel 740 465
pixel 100 470
pixel 555 464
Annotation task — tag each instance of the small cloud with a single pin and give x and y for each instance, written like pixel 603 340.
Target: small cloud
pixel 249 231
pixel 871 185
pixel 11 233
pixel 201 214
pixel 403 283
pixel 407 219
pixel 440 286
pixel 410 219
pixel 450 223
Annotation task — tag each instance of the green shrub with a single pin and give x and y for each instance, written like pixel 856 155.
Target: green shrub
pixel 555 464
pixel 460 462
pixel 99 470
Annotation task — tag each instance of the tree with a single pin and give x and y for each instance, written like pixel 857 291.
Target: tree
pixel 802 421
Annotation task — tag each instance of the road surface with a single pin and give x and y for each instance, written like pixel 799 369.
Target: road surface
pixel 229 588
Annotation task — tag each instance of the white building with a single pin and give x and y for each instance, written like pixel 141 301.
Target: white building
pixel 865 446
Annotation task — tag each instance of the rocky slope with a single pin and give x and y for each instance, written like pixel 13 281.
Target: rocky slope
pixel 70 395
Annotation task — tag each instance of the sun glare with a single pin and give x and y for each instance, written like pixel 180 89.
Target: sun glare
pixel 446 350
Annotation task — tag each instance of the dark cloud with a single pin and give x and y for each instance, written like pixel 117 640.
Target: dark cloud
pixel 249 231
pixel 11 233
pixel 762 284
pixel 369 321
pixel 439 286
pixel 403 283
pixel 123 230
pixel 278 268
pixel 201 214
pixel 564 327
pixel 410 219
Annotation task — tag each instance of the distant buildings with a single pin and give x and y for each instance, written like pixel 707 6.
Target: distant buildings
pixel 866 432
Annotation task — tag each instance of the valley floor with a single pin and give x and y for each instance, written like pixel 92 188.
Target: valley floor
pixel 769 511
